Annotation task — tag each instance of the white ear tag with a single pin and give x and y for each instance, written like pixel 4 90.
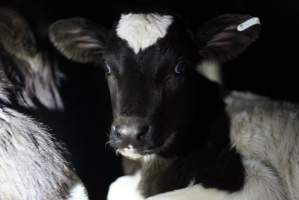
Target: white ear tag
pixel 249 23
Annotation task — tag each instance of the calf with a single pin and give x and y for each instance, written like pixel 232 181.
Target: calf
pixel 32 163
pixel 190 142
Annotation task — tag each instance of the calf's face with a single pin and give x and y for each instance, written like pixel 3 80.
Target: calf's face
pixel 150 62
pixel 146 77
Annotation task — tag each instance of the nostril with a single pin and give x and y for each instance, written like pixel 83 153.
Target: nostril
pixel 132 132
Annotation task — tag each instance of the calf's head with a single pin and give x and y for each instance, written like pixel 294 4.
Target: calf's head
pixel 150 62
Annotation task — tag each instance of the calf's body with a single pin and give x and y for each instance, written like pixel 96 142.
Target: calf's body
pixel 190 142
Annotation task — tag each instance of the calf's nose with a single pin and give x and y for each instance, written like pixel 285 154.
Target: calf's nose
pixel 133 133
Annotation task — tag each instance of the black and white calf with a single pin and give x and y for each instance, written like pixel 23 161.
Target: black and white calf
pixel 190 142
pixel 32 165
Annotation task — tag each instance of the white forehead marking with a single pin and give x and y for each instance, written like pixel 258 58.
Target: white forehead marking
pixel 142 30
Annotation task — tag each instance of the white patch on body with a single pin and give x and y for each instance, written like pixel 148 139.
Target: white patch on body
pixel 248 23
pixel 142 30
pixel 211 70
pixel 78 192
pixel 196 192
pixel 267 130
pixel 125 187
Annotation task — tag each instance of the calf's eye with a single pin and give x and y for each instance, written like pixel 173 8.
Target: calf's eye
pixel 179 68
pixel 107 68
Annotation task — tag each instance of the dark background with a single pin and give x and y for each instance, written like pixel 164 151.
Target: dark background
pixel 269 67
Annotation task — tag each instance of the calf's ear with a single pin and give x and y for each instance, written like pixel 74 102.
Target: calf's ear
pixel 225 37
pixel 16 38
pixel 78 39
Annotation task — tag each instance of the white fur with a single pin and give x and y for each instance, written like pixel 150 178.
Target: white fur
pixel 126 188
pixel 31 164
pixel 268 131
pixel 130 153
pixel 196 192
pixel 211 70
pixel 78 192
pixel 40 83
pixel 142 30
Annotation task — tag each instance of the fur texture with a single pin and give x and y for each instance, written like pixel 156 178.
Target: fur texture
pixel 142 30
pixel 32 165
pixel 40 83
pixel 267 131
